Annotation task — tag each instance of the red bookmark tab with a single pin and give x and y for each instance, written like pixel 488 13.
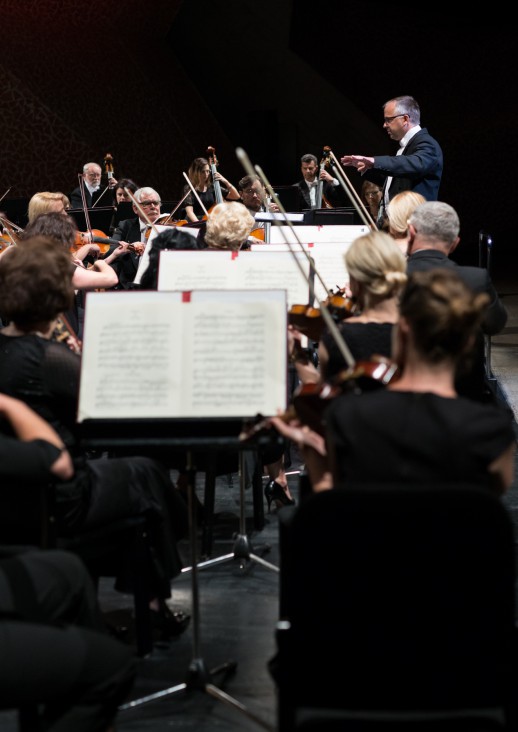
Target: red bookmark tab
pixel 311 244
pixel 186 296
pixel 234 255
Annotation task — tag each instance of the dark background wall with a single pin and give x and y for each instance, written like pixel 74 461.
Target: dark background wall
pixel 155 83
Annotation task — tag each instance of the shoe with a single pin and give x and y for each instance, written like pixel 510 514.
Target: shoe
pixel 169 624
pixel 273 491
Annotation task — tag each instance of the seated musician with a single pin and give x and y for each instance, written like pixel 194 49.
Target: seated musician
pixel 199 175
pixel 45 374
pixel 54 648
pixel 417 429
pixel 133 234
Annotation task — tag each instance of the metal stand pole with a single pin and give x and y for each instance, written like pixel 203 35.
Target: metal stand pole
pixel 198 676
pixel 242 549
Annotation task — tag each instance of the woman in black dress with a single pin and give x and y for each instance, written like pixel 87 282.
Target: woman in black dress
pixel 199 174
pixel 417 429
pixel 35 287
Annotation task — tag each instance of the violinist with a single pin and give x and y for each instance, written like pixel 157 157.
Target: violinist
pixel 199 174
pixel 45 375
pixel 94 193
pixel 417 429
pixel 307 187
pixel 229 226
pixel 45 202
pixel 133 234
pixel 61 231
pixel 377 274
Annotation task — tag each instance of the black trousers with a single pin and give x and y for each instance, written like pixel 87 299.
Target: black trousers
pixel 53 647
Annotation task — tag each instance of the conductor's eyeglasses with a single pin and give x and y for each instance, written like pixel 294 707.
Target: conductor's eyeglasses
pixel 150 203
pixel 388 120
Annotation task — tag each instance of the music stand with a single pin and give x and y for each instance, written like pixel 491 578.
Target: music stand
pixel 100 218
pixel 181 312
pixel 242 548
pixel 199 677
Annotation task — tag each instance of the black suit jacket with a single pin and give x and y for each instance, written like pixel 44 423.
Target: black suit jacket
pixel 418 169
pixel 126 266
pixel 305 199
pixel 472 381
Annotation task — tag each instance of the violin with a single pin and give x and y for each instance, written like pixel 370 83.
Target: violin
pixel 258 233
pixel 311 400
pixel 95 237
pixel 309 321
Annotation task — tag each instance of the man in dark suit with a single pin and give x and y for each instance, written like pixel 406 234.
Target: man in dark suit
pixel 95 194
pixel 433 235
pixel 307 187
pixel 418 163
pixel 135 232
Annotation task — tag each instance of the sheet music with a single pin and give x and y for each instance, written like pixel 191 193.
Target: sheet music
pixel 181 355
pixel 195 270
pixel 331 232
pixel 328 257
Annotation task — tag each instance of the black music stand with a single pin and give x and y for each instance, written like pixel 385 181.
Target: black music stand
pixel 100 218
pixel 165 433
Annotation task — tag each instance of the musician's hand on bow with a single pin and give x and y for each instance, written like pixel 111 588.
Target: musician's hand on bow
pixel 118 251
pixel 112 182
pixel 360 162
pixel 137 247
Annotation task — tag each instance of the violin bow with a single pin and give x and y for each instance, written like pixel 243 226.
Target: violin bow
pixel 5 194
pixel 328 318
pixel 169 219
pixel 351 192
pixel 85 205
pixel 193 189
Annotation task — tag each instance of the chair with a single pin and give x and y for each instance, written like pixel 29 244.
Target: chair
pixel 397 611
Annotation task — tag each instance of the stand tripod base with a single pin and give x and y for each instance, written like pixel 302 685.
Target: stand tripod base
pixel 242 550
pixel 200 679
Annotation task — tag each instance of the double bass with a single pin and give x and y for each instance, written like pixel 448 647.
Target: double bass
pixel 213 164
pixel 320 198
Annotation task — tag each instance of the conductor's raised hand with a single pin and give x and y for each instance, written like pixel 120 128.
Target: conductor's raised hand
pixel 360 162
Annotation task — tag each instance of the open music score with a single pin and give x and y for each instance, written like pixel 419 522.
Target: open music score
pixel 175 355
pixel 193 270
pixel 328 258
pixel 345 233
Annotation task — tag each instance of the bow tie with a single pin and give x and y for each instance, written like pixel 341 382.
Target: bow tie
pixel 314 184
